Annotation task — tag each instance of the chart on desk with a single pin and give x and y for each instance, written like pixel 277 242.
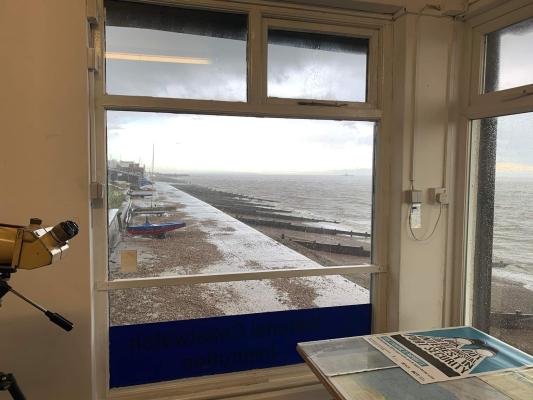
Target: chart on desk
pixel 447 354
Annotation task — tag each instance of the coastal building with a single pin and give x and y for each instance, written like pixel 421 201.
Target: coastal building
pixel 127 171
pixel 322 168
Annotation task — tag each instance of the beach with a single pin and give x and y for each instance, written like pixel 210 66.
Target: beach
pixel 509 297
pixel 216 242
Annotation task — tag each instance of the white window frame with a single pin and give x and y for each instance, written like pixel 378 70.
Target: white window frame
pixel 475 105
pixel 261 14
pixel 502 102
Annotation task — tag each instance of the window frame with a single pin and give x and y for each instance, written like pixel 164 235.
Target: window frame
pixel 501 102
pixel 476 105
pixel 258 105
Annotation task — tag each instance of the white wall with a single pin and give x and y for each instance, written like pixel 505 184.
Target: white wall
pixel 419 269
pixel 44 173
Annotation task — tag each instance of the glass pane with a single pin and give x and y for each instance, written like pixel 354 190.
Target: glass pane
pixel 210 194
pixel 316 66
pixel 505 266
pixel 345 356
pixel 173 52
pixel 174 303
pixel 509 57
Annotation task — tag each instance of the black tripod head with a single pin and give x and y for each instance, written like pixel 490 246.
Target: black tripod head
pixel 9 383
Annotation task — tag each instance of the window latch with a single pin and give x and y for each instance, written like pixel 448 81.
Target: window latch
pixel 92 12
pixel 97 191
pixel 322 103
pixel 92 60
pixel 523 93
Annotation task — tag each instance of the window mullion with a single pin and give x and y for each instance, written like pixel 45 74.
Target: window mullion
pixel 256 58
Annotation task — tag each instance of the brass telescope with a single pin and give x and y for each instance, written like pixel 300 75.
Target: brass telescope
pixel 33 246
pixel 30 247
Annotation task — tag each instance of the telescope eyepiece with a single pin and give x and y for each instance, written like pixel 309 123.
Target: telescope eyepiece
pixel 65 231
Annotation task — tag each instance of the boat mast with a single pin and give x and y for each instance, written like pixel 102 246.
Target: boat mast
pixel 153 158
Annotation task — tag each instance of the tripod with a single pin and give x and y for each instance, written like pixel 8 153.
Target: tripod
pixel 8 381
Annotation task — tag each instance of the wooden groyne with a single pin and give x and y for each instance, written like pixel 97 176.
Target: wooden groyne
pixel 300 228
pixel 358 251
pixel 254 211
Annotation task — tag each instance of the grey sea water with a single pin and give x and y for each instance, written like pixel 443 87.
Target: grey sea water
pixel 347 199
pixel 513 229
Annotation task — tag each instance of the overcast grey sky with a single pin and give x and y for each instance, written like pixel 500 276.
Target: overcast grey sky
pixel 185 143
pixel 196 143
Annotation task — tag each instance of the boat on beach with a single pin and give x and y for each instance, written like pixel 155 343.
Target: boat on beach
pixel 159 229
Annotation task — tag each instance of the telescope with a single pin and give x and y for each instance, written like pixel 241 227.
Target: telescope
pixel 33 246
pixel 30 247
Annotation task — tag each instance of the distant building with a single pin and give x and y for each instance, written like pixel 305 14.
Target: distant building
pixel 127 171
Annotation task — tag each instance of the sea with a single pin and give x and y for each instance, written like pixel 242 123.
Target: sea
pixel 513 230
pixel 347 200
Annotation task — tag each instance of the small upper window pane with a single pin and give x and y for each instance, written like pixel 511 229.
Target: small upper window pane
pixel 173 52
pixel 509 57
pixel 317 66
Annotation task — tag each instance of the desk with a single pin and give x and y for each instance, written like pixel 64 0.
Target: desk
pixel 336 363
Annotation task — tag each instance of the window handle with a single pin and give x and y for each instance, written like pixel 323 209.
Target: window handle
pixel 523 93
pixel 322 103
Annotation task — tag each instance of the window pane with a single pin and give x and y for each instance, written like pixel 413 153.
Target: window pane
pixel 173 52
pixel 212 194
pixel 316 66
pixel 509 57
pixel 505 266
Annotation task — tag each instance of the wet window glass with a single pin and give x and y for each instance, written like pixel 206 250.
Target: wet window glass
pixel 504 248
pixel 174 52
pixel 317 66
pixel 509 57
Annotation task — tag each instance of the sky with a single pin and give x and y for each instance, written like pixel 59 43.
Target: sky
pixel 266 145
pixel 203 143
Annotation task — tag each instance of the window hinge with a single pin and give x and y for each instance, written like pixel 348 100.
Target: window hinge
pixel 92 60
pixel 97 191
pixel 92 12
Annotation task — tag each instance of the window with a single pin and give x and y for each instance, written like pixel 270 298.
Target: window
pixel 232 219
pixel 305 65
pixel 175 52
pixel 504 272
pixel 499 272
pixel 251 194
pixel 509 57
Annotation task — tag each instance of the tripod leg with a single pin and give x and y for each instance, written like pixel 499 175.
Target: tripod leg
pixel 9 383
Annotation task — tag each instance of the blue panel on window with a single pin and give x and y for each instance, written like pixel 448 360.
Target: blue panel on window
pixel 165 351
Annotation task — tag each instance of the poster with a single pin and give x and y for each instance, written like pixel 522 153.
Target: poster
pixel 451 353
